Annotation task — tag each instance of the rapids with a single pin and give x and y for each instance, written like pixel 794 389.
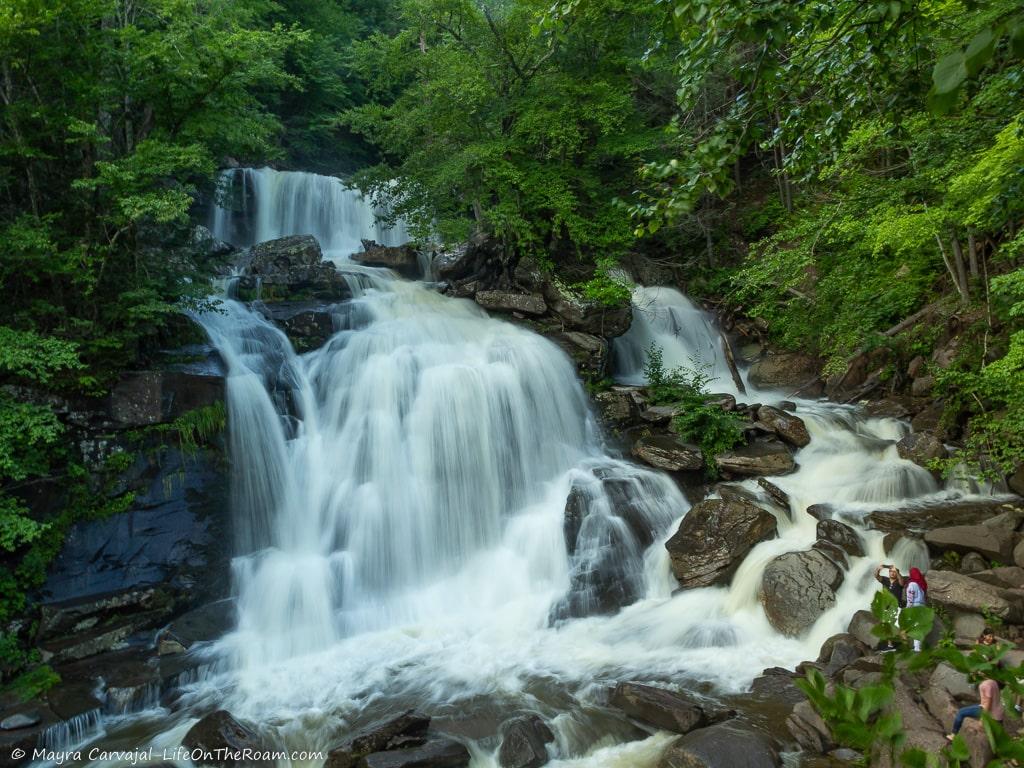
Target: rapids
pixel 400 501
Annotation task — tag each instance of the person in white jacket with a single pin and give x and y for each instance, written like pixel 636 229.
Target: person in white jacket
pixel 916 593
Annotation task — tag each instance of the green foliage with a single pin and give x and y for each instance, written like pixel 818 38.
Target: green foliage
pixel 197 427
pixel 32 683
pixel 864 719
pixel 489 119
pixel 709 426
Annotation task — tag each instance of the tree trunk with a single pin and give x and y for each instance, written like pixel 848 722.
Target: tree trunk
pixel 972 254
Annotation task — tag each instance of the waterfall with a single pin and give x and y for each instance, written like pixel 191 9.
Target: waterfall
pixel 257 204
pixel 684 333
pixel 427 515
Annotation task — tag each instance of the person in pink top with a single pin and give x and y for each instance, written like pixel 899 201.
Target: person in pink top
pixel 988 691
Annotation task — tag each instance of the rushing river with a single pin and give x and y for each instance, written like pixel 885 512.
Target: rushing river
pixel 400 497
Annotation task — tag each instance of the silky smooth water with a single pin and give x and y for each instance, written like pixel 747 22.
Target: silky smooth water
pixel 400 500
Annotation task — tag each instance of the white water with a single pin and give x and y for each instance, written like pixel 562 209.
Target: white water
pixel 401 499
pixel 264 204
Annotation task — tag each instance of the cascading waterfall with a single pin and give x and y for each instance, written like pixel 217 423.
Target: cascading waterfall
pixel 427 515
pixel 263 204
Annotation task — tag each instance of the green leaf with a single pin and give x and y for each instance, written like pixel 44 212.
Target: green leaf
pixel 949 73
pixel 979 51
pixel 917 622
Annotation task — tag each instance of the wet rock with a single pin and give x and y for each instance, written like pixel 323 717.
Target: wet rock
pixel 289 267
pixel 101 638
pixel 777 495
pixel 777 685
pixel 667 452
pixel 307 324
pixel 723 400
pixel 797 588
pixel 833 552
pixel 921 448
pixel 668 710
pixel 760 458
pixel 523 745
pixel 821 511
pixel 860 628
pixel 203 624
pixel 840 651
pixel 785 370
pixel 713 539
pixel 928 517
pixel 145 398
pixel 660 414
pixel 809 730
pixel 579 314
pixel 20 720
pixel 589 352
pixel 955 591
pixel 208 246
pixel 403 259
pixel 787 426
pixel 619 405
pixel 994 538
pixel 222 736
pixel 404 730
pixel 842 535
pixel 725 745
pixel 437 753
pixel 506 301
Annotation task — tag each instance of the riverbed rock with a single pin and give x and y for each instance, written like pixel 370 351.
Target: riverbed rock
pixel 662 708
pixel 20 720
pixel 787 426
pixel 776 494
pixel 797 588
pixel 860 627
pixel 921 448
pixel 955 591
pixel 842 535
pixel 524 743
pixel 507 301
pixel 619 406
pixel 724 745
pixel 840 651
pixel 928 517
pixel 809 730
pixel 220 731
pixel 403 259
pixel 289 268
pixel 307 324
pixel 436 753
pixel 713 539
pixel 668 452
pixel 587 351
pixel 380 736
pixel 769 457
pixel 580 314
pixel 994 538
pixel 786 370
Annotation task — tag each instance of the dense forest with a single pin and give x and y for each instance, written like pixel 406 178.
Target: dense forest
pixel 847 175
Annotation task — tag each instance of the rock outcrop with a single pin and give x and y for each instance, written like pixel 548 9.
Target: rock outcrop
pixel 524 743
pixel 769 457
pixel 788 427
pixel 723 745
pixel 713 539
pixel 797 588
pixel 668 452
pixel 221 737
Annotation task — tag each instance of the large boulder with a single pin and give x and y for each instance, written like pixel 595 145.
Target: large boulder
pixel 787 426
pixel 524 743
pixel 957 592
pixel 769 457
pixel 290 268
pixel 580 314
pixel 619 406
pixel 809 730
pixel 222 738
pixel 713 539
pixel 860 628
pixel 436 753
pixel 840 651
pixel 785 370
pixel 842 535
pixel 668 452
pixel 308 324
pixel 403 259
pixel 928 517
pixel 405 730
pixel 797 588
pixel 995 538
pixel 668 710
pixel 725 745
pixel 921 448
pixel 507 301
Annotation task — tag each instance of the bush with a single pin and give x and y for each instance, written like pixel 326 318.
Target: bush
pixel 710 427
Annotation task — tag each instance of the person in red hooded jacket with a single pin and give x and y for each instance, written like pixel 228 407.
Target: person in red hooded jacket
pixel 916 592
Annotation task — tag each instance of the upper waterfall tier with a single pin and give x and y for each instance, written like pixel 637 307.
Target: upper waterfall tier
pixel 257 204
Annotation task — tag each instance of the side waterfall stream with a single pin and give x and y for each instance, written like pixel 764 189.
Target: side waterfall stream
pixel 400 500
